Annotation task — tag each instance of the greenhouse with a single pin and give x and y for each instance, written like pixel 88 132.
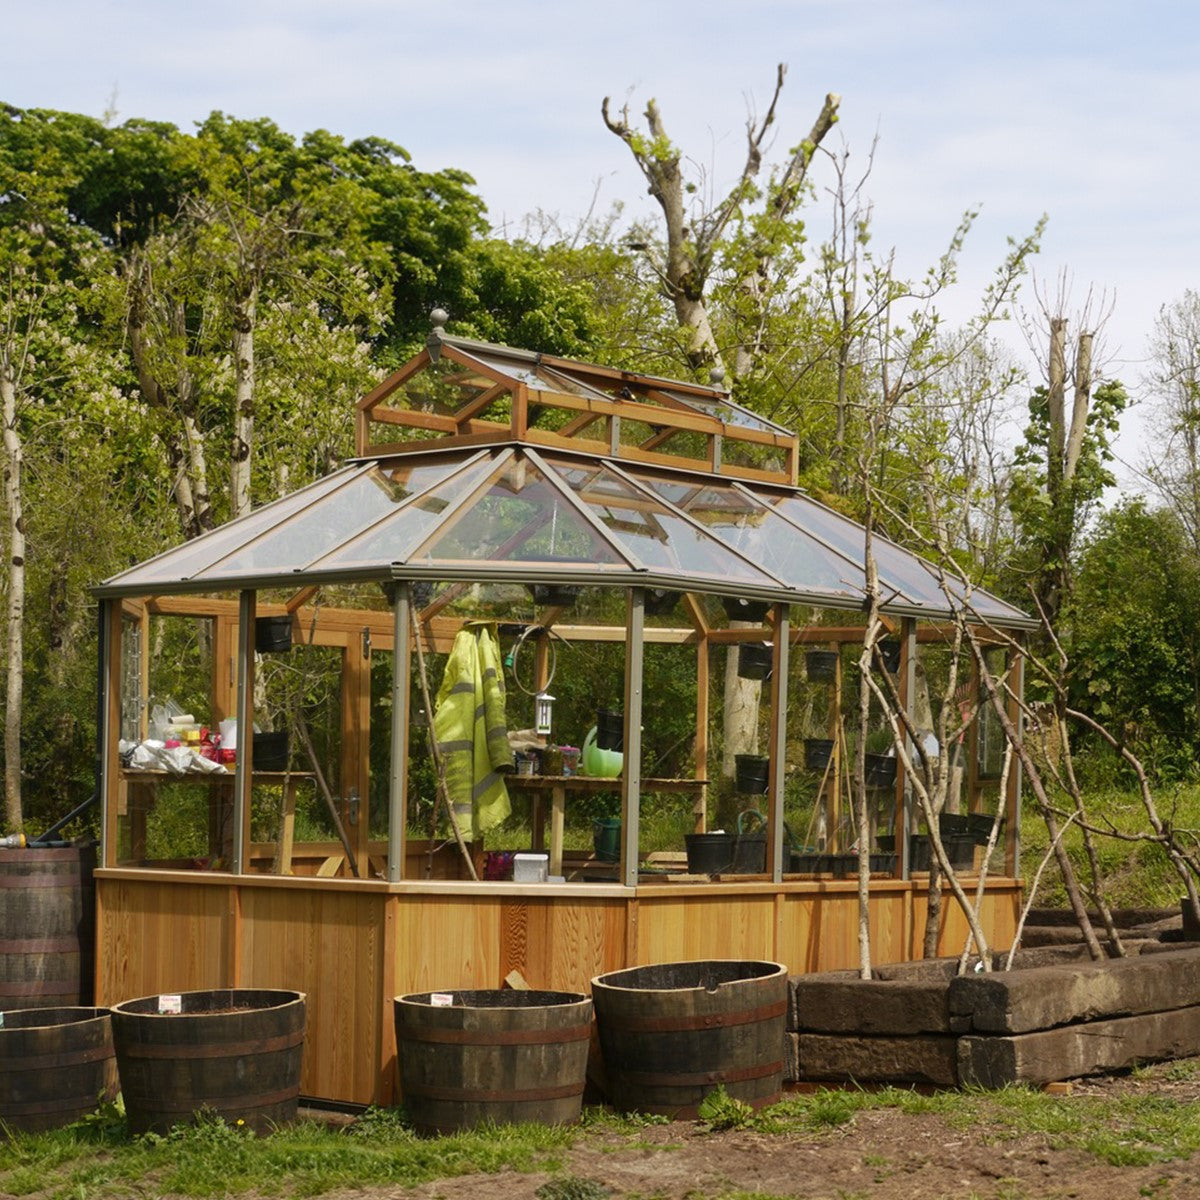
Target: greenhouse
pixel 553 678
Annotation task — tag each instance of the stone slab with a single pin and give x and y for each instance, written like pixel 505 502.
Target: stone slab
pixel 1071 1051
pixel 840 1002
pixel 921 1058
pixel 1021 1001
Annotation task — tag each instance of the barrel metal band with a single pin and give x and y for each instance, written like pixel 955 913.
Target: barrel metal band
pixel 247 1103
pixel 503 1037
pixel 698 1078
pixel 743 1016
pixel 62 945
pixel 74 1058
pixel 284 1041
pixel 65 881
pixel 78 1103
pixel 68 993
pixel 510 1095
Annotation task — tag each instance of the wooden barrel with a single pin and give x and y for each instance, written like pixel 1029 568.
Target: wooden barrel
pixel 671 1033
pixel 502 1056
pixel 47 927
pixel 235 1052
pixel 56 1065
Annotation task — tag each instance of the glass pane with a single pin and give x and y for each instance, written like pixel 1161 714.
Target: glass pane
pixel 441 388
pixel 657 536
pixel 522 518
pixel 193 557
pixel 407 525
pixel 764 537
pixel 324 527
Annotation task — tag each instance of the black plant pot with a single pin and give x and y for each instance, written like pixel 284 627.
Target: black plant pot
pixel 979 826
pixel 554 595
pixel 820 665
pixel 959 849
pixel 659 602
pixel 881 770
pixel 610 729
pixel 754 660
pixel 889 653
pixel 737 609
pixel 270 751
pixel 272 635
pixel 752 772
pixel 709 853
pixel 817 753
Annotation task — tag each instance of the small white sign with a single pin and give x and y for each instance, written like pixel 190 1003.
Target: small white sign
pixel 170 1004
pixel 1 1020
pixel 441 999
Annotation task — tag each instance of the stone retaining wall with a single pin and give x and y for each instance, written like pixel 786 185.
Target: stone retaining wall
pixel 1056 1015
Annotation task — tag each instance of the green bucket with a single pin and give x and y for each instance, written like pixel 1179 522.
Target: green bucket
pixel 606 838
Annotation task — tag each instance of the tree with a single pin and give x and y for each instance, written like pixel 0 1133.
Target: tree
pixel 1064 463
pixel 745 233
pixel 1172 465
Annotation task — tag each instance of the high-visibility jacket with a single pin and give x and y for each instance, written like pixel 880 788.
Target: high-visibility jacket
pixel 472 732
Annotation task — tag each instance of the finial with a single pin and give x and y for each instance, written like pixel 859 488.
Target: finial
pixel 433 343
pixel 716 376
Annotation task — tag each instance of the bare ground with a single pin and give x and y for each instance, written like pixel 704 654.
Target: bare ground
pixel 879 1153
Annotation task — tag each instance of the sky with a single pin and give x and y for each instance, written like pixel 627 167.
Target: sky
pixel 1086 112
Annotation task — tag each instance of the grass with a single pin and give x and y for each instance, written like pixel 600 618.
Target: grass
pixel 96 1158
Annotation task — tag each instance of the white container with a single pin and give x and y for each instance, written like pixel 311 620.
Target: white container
pixel 530 868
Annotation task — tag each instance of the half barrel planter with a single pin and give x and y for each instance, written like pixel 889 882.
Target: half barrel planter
pixel 232 1052
pixel 670 1034
pixel 56 1066
pixel 500 1056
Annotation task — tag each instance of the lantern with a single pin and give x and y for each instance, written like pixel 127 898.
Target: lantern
pixel 543 709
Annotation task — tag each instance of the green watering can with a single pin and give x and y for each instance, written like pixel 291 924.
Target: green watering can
pixel 601 764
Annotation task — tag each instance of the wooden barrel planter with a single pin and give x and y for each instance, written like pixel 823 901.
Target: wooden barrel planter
pixel 47 927
pixel 235 1052
pixel 502 1056
pixel 56 1066
pixel 672 1033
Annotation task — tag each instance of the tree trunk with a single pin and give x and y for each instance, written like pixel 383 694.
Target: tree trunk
pixel 243 413
pixel 15 671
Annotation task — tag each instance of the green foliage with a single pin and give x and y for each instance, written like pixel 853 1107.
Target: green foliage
pixel 719 1110
pixel 1134 635
pixel 573 1187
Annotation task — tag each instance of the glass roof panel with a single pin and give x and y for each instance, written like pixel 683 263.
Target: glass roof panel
pixel 193 557
pixel 899 570
pixel 522 518
pixel 654 534
pixel 442 388
pixel 763 536
pixel 423 494
pixel 324 527
pixel 725 410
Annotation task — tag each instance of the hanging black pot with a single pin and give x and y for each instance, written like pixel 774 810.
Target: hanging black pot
pixel 554 595
pixel 817 753
pixel 659 602
pixel 754 660
pixel 820 665
pixel 889 654
pixel 880 770
pixel 272 635
pixel 752 772
pixel 737 609
pixel 610 729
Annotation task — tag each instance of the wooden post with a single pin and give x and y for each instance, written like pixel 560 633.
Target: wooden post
pixel 1012 802
pixel 398 784
pixel 632 775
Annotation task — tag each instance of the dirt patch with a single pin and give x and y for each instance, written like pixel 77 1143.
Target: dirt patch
pixel 877 1153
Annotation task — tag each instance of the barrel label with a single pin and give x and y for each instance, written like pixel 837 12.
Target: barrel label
pixel 170 1004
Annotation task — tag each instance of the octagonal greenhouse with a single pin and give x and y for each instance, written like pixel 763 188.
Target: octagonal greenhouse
pixel 462 708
